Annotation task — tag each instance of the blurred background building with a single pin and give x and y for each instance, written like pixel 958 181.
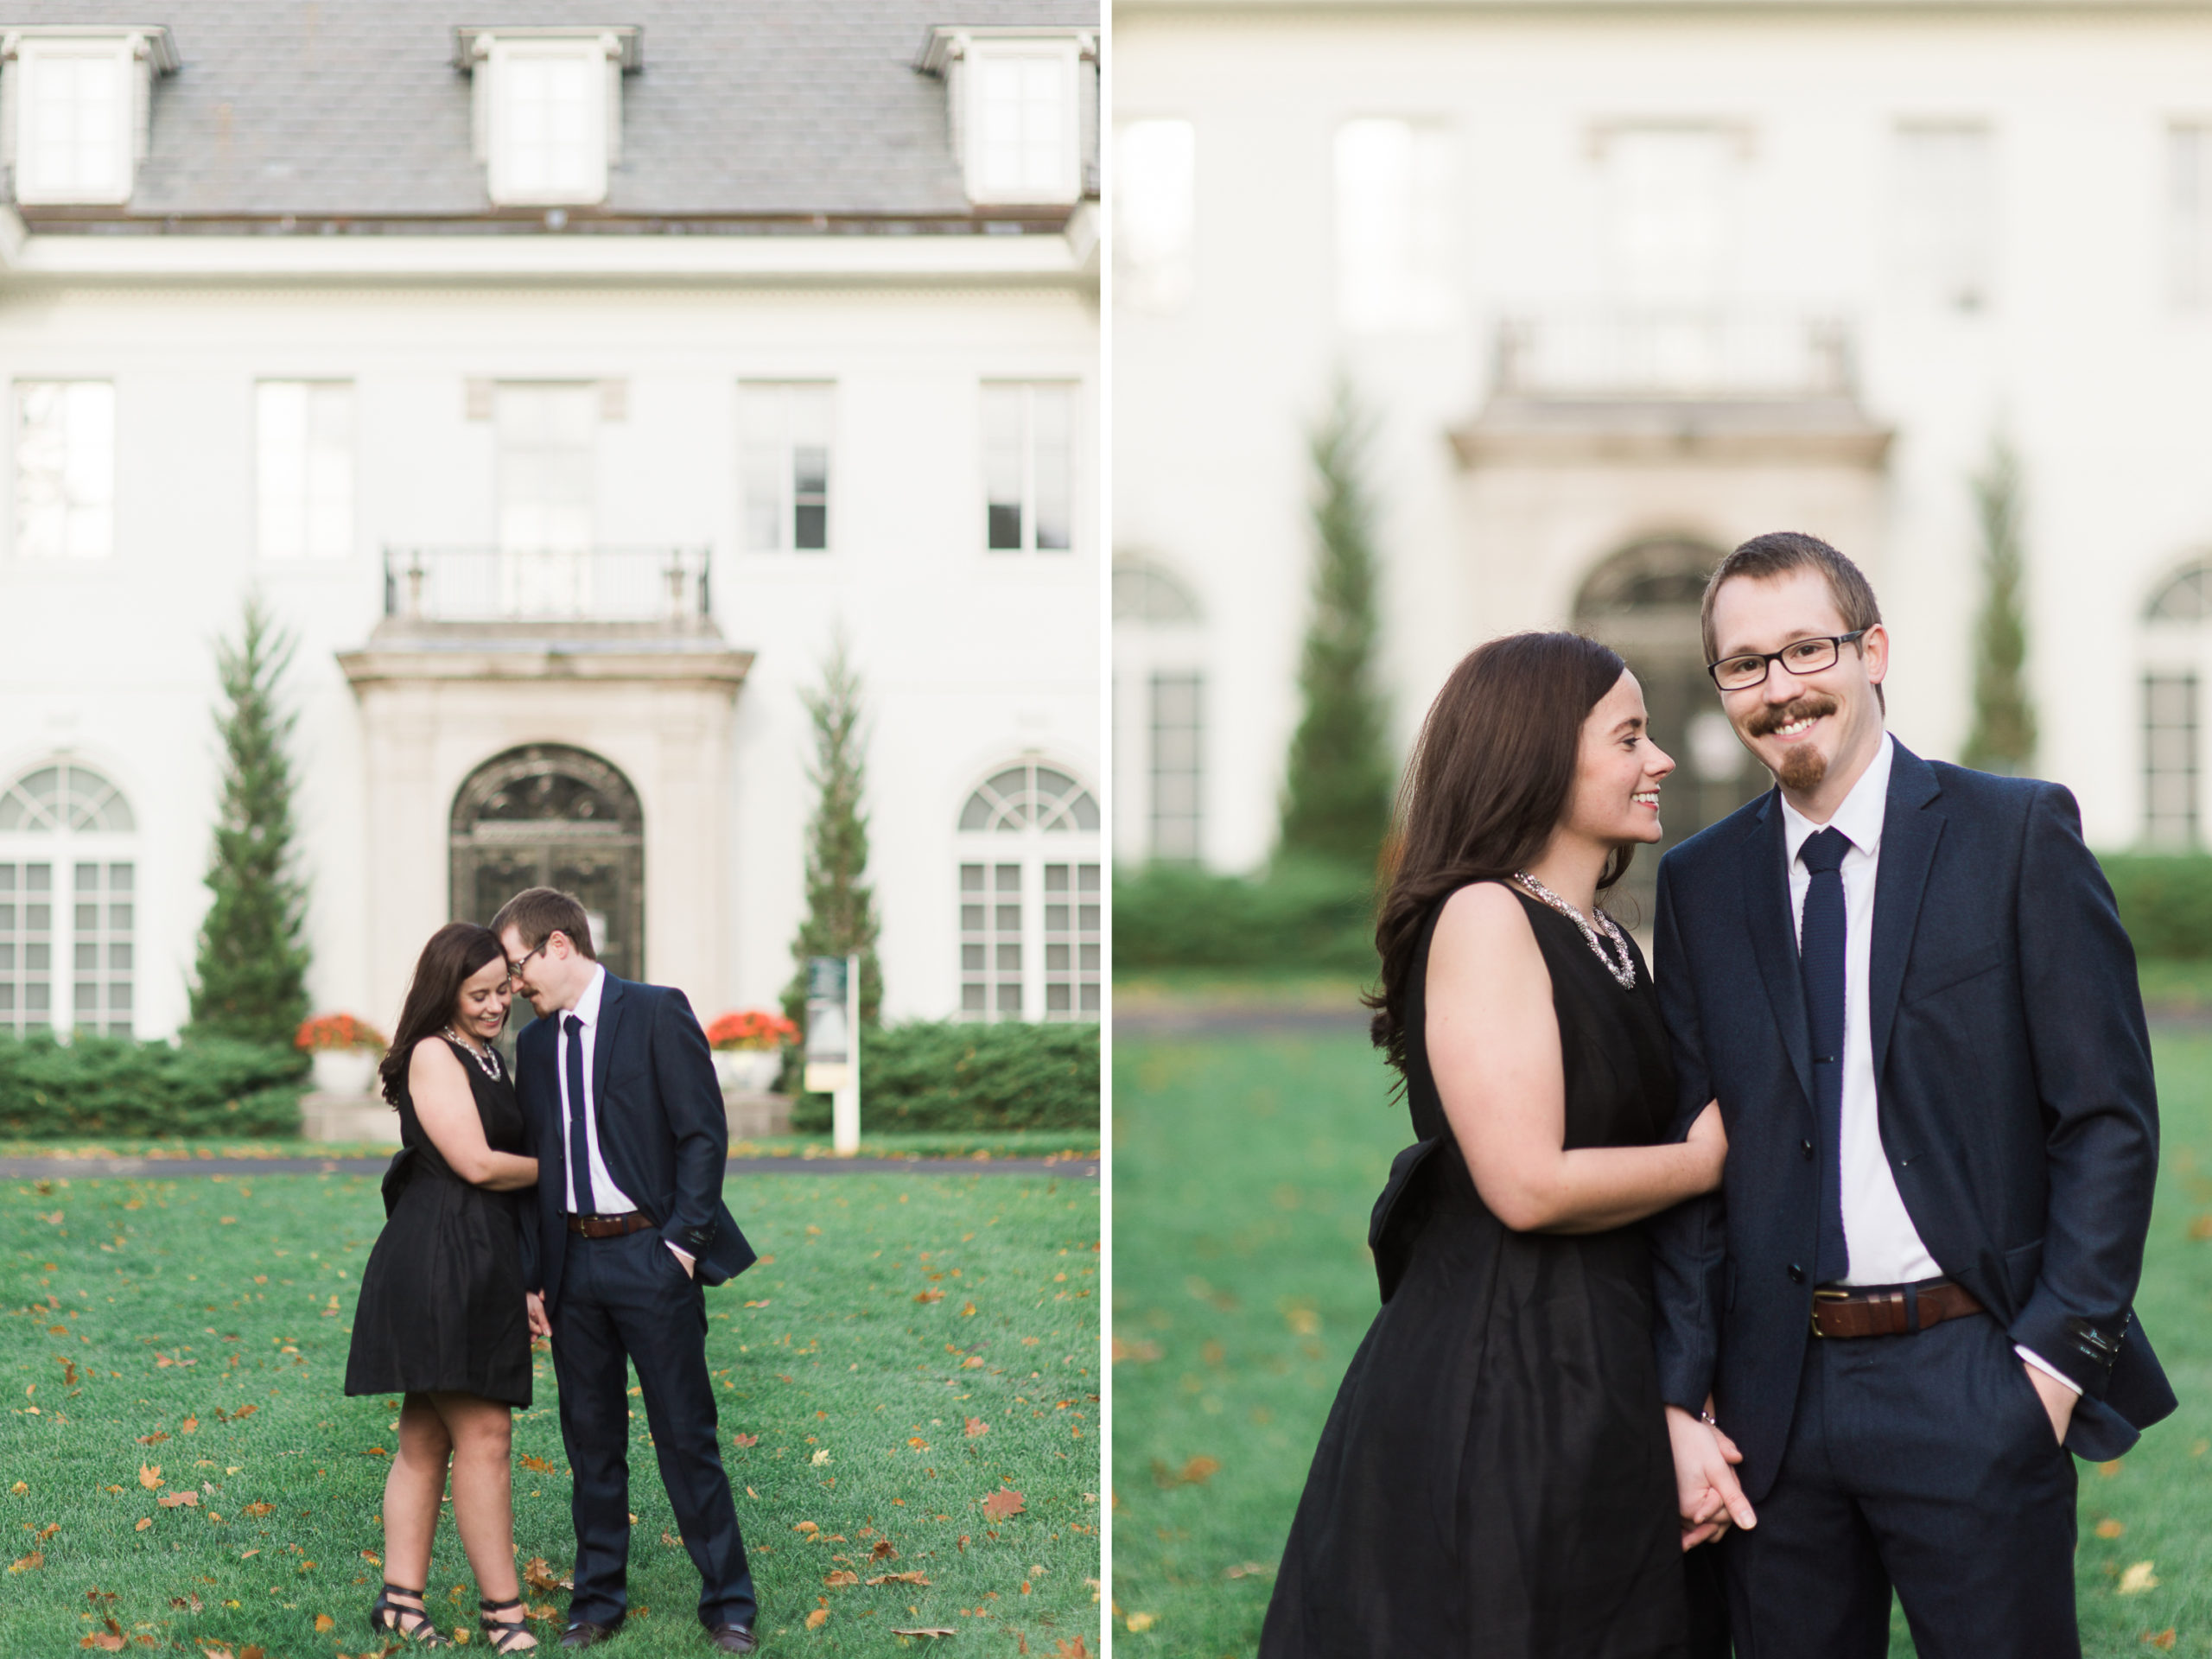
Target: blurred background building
pixel 1622 284
pixel 565 385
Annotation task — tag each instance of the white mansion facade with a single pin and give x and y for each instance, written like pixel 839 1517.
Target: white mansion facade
pixel 1625 283
pixel 567 389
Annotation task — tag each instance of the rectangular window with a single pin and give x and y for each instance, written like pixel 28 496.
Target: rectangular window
pixel 1946 215
pixel 1394 217
pixel 2189 213
pixel 1176 765
pixel 27 934
pixel 65 469
pixel 1022 122
pixel 1071 941
pixel 786 467
pixel 549 121
pixel 1670 201
pixel 1155 210
pixel 102 968
pixel 549 439
pixel 1029 468
pixel 991 941
pixel 303 433
pixel 74 138
pixel 2170 760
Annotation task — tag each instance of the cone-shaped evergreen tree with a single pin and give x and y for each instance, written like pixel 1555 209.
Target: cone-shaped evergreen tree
pixel 251 972
pixel 1336 801
pixel 2003 736
pixel 841 919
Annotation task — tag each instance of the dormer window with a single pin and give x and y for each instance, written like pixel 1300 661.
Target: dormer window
pixel 549 111
pixel 79 106
pixel 1018 110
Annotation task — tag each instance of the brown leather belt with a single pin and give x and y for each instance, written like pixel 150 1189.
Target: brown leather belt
pixel 1895 1311
pixel 610 1226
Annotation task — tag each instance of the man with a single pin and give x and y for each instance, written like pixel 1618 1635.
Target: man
pixel 1908 986
pixel 625 1120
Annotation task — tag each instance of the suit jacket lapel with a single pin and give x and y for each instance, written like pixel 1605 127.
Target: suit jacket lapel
pixel 1911 829
pixel 1774 936
pixel 602 1049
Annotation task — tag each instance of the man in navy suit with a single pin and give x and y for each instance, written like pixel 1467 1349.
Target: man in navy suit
pixel 1908 987
pixel 625 1120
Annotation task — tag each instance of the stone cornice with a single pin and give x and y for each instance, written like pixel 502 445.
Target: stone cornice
pixel 1562 432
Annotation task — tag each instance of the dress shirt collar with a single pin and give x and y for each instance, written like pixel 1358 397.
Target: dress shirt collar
pixel 1860 816
pixel 587 1008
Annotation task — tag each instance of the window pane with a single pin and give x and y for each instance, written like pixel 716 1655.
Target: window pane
pixel 1945 221
pixel 1002 465
pixel 551 141
pixel 2170 760
pixel 74 126
pixel 1392 216
pixel 1176 766
pixel 1052 412
pixel 65 464
pixel 1021 119
pixel 1154 214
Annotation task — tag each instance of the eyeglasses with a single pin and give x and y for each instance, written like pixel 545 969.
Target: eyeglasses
pixel 1800 657
pixel 514 968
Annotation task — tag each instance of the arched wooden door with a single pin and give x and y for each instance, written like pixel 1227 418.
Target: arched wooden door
pixel 549 816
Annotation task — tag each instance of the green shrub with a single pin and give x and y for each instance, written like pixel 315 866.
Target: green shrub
pixel 111 1085
pixel 943 1075
pixel 2165 902
pixel 1304 914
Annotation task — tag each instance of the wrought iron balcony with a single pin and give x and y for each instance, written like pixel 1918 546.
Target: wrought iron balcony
pixel 1665 356
pixel 665 585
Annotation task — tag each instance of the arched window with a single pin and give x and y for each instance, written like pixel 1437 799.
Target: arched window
pixel 68 903
pixel 2178 653
pixel 1031 898
pixel 1159 709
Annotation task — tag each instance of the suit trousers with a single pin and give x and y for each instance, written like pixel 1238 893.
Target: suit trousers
pixel 628 1299
pixel 1924 1463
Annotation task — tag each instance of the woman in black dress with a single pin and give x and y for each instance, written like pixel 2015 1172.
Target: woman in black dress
pixel 1495 1478
pixel 441 1320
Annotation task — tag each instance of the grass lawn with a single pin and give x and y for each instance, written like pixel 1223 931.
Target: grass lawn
pixel 907 1347
pixel 1244 1168
pixel 1003 1143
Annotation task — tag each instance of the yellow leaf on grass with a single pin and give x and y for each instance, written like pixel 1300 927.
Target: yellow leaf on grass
pixel 2109 1528
pixel 2164 1639
pixel 36 1559
pixel 172 1500
pixel 144 1521
pixel 817 1618
pixel 840 1578
pixel 149 1475
pixel 1142 1621
pixel 2137 1578
pixel 324 1621
pixel 1198 1470
pixel 902 1577
pixel 976 1428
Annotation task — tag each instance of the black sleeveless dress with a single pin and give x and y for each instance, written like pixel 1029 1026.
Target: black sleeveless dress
pixel 1495 1477
pixel 441 1298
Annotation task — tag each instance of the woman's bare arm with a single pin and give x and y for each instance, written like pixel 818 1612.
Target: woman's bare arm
pixel 446 1110
pixel 1494 1047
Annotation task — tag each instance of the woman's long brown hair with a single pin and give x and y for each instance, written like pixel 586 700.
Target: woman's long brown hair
pixel 455 952
pixel 1489 778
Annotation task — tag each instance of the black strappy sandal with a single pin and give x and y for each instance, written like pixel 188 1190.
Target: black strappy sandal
pixel 501 1634
pixel 390 1617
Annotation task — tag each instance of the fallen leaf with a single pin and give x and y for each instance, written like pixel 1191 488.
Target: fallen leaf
pixel 2137 1578
pixel 2164 1639
pixel 1198 1470
pixel 531 1461
pixel 1249 1570
pixel 744 1440
pixel 2109 1528
pixel 20 1488
pixel 1003 1502
pixel 540 1576
pixel 173 1500
pixel 883 1551
pixel 968 1310
pixel 259 1509
pixel 154 1439
pixel 106 1641
pixel 1075 1650
pixel 927 1629
pixel 242 1412
pixel 930 1296
pixel 2200 1228
pixel 29 1563
pixel 149 1475
pixel 901 1577
pixel 840 1578
pixel 977 1428
pixel 1142 1621
pixel 252 1650
pixel 375 1451
pixel 324 1621
pixel 918 1442
pixel 820 1457
pixel 188 1425
pixel 817 1618
pixel 807 1527
pixel 144 1521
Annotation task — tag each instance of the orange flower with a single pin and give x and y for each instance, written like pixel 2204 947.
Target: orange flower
pixel 753 1028
pixel 337 1031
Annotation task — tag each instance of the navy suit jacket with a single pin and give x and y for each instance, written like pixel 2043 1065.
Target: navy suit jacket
pixel 2013 1072
pixel 662 1131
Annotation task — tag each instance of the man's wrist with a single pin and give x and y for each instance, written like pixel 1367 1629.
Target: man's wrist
pixel 2028 1355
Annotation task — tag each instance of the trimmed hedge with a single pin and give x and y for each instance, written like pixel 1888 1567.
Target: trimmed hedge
pixel 112 1086
pixel 1302 914
pixel 2165 902
pixel 942 1075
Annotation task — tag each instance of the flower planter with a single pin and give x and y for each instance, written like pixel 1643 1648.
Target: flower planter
pixel 344 1071
pixel 747 1070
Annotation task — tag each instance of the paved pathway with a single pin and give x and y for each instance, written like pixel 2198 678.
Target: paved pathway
pixel 1080 1169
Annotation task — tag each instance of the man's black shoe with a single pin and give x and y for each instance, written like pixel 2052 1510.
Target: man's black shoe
pixel 732 1638
pixel 583 1633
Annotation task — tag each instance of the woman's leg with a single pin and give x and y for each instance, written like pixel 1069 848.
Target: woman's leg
pixel 483 1492
pixel 412 1494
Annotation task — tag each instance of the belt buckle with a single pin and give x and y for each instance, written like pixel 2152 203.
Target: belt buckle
pixel 1820 1296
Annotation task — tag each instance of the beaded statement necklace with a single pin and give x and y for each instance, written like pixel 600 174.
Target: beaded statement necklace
pixel 487 1061
pixel 1623 971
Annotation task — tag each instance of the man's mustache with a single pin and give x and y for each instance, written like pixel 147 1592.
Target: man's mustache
pixel 1811 706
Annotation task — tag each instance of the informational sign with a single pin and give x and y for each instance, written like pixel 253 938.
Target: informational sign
pixel 833 1044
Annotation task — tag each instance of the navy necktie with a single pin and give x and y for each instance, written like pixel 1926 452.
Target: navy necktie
pixel 572 1031
pixel 1821 954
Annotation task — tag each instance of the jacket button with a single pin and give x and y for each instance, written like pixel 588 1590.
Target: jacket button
pixel 1806 1147
pixel 1796 1274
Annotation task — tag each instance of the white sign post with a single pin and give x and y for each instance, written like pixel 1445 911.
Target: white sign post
pixel 833 1045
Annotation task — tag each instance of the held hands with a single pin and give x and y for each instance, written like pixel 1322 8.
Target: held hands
pixel 539 1326
pixel 2057 1399
pixel 1710 1141
pixel 1706 1489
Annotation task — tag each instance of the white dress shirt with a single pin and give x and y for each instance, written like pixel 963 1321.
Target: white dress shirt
pixel 1885 1247
pixel 607 1198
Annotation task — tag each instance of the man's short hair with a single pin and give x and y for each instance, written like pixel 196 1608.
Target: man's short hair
pixel 537 913
pixel 1778 553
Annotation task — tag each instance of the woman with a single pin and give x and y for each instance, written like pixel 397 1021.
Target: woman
pixel 441 1317
pixel 1495 1477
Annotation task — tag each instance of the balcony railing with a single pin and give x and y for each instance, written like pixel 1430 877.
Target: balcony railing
pixel 1673 355
pixel 499 584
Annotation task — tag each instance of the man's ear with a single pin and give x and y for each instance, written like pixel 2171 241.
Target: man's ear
pixel 1874 647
